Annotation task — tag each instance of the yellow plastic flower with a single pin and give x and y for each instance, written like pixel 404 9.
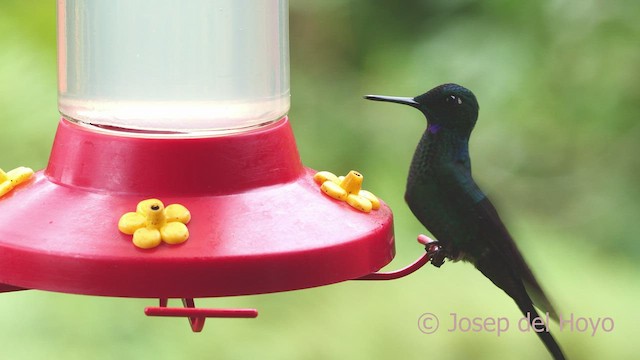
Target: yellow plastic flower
pixel 13 178
pixel 347 188
pixel 152 223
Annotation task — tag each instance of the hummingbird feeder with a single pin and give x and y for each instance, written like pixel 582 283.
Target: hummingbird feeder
pixel 174 171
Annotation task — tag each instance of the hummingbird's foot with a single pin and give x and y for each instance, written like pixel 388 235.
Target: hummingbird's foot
pixel 434 249
pixel 437 256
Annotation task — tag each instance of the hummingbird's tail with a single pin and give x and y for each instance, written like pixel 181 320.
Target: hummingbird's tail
pixel 503 278
pixel 542 329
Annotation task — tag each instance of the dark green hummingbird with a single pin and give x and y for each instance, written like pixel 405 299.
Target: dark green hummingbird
pixel 442 194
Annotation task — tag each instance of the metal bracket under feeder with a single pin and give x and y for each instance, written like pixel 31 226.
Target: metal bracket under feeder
pixel 197 316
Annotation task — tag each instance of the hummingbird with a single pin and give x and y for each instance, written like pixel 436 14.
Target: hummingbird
pixel 443 196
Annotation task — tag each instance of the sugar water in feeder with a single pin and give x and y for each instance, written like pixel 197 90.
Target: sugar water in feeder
pixel 173 66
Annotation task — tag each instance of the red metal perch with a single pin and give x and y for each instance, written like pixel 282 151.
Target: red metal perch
pixel 409 269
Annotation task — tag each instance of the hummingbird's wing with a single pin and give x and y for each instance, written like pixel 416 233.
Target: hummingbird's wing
pixel 494 253
pixel 490 230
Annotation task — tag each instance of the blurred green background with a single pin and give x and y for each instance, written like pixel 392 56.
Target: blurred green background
pixel 556 148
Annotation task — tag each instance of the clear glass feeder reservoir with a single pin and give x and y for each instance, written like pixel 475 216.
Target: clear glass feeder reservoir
pixel 173 65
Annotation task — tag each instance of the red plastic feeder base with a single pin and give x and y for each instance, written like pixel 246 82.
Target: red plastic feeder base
pixel 259 223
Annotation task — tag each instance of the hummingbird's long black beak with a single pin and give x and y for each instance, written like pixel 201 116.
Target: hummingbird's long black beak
pixel 394 99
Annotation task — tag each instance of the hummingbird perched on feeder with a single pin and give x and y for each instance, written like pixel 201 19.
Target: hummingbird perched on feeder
pixel 444 197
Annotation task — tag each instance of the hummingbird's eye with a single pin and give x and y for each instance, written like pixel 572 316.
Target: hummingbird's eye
pixel 452 99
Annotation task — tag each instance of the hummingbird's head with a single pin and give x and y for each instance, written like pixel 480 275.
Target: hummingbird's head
pixel 446 106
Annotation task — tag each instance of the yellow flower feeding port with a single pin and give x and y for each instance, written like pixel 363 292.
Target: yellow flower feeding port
pixel 9 180
pixel 152 224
